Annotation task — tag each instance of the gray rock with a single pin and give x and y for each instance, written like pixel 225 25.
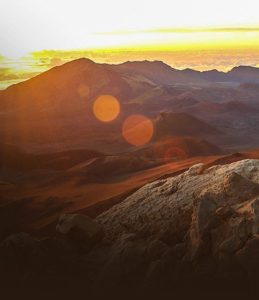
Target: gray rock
pixel 80 229
pixel 211 213
pixel 167 208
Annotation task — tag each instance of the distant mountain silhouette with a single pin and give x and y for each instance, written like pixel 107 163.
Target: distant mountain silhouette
pixel 181 124
pixel 54 109
pixel 111 78
pixel 244 74
pixel 161 73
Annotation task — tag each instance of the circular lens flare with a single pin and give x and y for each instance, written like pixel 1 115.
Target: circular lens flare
pixel 174 154
pixel 83 91
pixel 106 108
pixel 137 130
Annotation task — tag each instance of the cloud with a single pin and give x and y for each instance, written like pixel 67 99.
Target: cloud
pixel 9 74
pixel 201 59
pixel 183 30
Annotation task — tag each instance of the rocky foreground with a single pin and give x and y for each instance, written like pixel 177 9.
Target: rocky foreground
pixel 197 232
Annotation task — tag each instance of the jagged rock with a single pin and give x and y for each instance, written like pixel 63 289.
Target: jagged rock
pixel 169 209
pixel 225 212
pixel 196 169
pixel 212 208
pixel 239 188
pixel 80 229
pixel 238 224
pixel 209 215
pixel 202 223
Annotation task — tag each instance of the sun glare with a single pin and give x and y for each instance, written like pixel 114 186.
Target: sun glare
pixel 106 108
pixel 137 130
pixel 83 91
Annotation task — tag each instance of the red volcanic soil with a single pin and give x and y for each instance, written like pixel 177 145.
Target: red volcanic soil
pixel 178 148
pixel 34 201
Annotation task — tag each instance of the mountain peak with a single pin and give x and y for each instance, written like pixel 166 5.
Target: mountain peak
pixel 244 68
pixel 83 61
pixel 146 63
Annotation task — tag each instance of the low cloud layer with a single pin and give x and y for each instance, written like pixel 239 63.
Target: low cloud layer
pixel 13 71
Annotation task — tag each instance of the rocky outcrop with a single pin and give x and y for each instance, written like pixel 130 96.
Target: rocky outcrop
pixel 169 208
pixel 200 226
pixel 79 229
pixel 212 213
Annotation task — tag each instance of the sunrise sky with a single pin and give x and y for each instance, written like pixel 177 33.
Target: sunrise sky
pixel 200 34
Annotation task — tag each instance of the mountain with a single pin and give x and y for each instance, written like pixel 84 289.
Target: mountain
pixel 54 110
pixel 177 214
pixel 55 107
pixel 156 71
pixel 161 73
pixel 81 78
pixel 181 124
pixel 193 232
pixel 194 221
pixel 244 74
pixel 177 148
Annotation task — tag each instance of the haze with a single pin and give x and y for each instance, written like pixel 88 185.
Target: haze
pixel 131 29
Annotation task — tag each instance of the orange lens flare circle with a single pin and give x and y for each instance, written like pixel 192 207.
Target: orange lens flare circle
pixel 174 154
pixel 106 108
pixel 137 130
pixel 83 91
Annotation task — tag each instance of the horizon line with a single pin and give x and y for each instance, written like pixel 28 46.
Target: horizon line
pixel 151 61
pixel 128 61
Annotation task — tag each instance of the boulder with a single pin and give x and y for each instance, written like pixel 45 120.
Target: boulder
pixel 80 229
pixel 172 208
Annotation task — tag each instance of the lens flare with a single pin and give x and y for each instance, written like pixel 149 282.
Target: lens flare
pixel 137 130
pixel 83 91
pixel 174 154
pixel 106 108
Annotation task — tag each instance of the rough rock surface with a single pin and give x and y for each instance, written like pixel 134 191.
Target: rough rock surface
pixel 198 230
pixel 79 228
pixel 204 222
pixel 169 208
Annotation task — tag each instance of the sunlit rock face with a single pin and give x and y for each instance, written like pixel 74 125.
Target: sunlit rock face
pixel 171 236
pixel 169 209
pixel 203 223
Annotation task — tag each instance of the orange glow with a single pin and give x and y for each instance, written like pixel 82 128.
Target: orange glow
pixel 137 130
pixel 83 91
pixel 174 154
pixel 106 108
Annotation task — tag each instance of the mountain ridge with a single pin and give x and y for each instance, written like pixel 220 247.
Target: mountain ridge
pixel 184 75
